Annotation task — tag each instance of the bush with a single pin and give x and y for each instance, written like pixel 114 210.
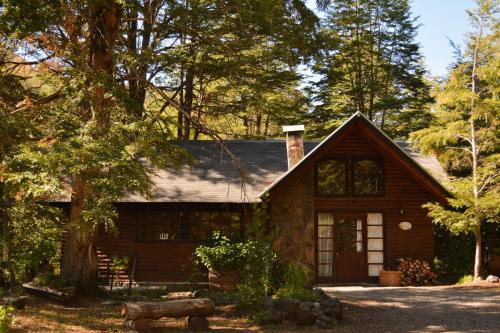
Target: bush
pixel 6 318
pixel 221 254
pixel 454 255
pixel 296 279
pixel 466 279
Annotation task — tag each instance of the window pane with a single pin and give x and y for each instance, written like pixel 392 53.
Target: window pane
pixel 325 219
pixel 325 270
pixel 367 177
pixel 376 257
pixel 325 231
pixel 347 236
pixel 375 244
pixel 374 270
pixel 374 218
pixel 325 244
pixel 375 231
pixel 331 177
pixel 325 257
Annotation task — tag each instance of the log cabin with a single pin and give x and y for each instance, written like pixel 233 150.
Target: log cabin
pixel 346 207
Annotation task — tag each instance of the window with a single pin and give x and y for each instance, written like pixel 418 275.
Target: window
pixel 331 175
pixel 367 177
pixel 187 225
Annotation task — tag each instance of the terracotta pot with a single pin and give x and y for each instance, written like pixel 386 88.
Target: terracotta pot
pixel 494 265
pixel 225 281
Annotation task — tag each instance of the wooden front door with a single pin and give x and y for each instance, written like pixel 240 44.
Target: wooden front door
pixel 341 247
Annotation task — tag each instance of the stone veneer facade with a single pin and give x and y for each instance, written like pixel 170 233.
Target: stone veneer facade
pixel 292 221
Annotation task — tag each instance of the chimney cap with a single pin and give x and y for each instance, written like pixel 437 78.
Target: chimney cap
pixel 293 128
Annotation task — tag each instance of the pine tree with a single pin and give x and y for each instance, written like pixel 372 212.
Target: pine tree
pixel 466 134
pixel 371 63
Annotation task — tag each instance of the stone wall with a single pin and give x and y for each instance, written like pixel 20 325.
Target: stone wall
pixel 291 216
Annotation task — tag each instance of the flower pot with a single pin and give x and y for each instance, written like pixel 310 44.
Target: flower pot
pixel 494 265
pixel 225 281
pixel 389 278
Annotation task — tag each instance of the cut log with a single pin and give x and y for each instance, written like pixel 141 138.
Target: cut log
pixel 18 302
pixel 201 307
pixel 141 325
pixel 197 324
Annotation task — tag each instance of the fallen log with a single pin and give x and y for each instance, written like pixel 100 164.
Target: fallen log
pixel 200 307
pixel 141 325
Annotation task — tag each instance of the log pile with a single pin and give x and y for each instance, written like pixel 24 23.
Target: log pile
pixel 415 272
pixel 139 315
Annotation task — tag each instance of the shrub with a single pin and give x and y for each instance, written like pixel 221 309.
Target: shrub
pixel 466 279
pixel 296 278
pixel 221 254
pixel 6 318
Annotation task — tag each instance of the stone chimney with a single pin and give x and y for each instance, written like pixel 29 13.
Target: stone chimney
pixel 294 144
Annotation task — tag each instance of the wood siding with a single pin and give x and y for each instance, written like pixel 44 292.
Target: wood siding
pixel 401 193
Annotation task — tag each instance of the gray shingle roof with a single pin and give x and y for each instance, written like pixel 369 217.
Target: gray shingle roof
pixel 214 178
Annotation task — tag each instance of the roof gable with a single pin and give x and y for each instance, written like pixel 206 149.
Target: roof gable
pixel 400 151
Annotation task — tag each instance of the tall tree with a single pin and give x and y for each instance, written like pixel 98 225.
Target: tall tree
pixel 371 63
pixel 466 134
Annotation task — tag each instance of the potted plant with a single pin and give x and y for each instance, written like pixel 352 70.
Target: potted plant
pixel 223 258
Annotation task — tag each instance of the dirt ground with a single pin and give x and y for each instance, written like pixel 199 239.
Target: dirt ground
pixel 471 308
pixel 466 308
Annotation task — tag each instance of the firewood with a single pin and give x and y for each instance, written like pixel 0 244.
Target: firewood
pixel 202 307
pixel 415 272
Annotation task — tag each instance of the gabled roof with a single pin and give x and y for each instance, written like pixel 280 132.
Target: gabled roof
pixel 429 167
pixel 214 178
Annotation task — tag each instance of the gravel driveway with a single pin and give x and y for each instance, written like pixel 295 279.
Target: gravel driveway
pixel 419 309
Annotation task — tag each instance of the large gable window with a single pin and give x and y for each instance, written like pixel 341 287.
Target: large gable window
pixel 331 177
pixel 367 177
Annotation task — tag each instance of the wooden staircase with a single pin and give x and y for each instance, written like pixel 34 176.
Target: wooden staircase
pixel 105 272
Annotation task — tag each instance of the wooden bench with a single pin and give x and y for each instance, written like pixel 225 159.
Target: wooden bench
pixel 138 315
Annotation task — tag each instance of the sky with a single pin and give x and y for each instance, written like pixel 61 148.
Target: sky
pixel 440 20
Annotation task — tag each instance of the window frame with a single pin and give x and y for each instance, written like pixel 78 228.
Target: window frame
pixel 329 157
pixel 379 161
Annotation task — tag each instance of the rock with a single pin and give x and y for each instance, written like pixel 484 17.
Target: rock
pixel 287 305
pixel 268 302
pixel 321 293
pixel 321 324
pixel 275 317
pixel 304 314
pixel 493 279
pixel 320 315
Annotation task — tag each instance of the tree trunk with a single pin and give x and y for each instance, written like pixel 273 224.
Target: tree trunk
pixel 79 261
pixel 80 257
pixel 7 244
pixel 200 307
pixel 188 104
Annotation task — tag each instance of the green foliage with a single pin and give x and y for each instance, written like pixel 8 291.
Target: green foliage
pixel 296 279
pixel 221 254
pixel 119 263
pixel 256 273
pixel 465 133
pixel 51 281
pixel 6 318
pixel 466 279
pixel 454 254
